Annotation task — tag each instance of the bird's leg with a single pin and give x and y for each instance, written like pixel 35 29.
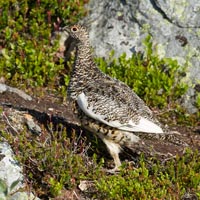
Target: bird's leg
pixel 114 150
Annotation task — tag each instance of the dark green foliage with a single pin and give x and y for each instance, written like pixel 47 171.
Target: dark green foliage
pixel 52 162
pixel 157 81
pixel 25 38
pixel 58 159
pixel 169 181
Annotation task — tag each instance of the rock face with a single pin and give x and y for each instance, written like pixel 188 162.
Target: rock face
pixel 173 25
pixel 11 177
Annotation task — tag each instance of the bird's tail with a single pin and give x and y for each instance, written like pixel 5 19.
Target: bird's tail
pixel 159 145
pixel 173 137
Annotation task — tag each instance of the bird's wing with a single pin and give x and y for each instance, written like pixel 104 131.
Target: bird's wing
pixel 95 111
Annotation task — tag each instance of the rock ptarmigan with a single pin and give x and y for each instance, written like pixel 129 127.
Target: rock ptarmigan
pixel 105 106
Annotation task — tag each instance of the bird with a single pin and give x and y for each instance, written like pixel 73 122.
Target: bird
pixel 104 105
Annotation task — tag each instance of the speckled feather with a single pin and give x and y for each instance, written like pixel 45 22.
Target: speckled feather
pixel 106 95
pixel 103 103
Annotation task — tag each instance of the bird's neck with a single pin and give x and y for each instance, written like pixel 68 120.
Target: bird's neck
pixel 84 71
pixel 84 63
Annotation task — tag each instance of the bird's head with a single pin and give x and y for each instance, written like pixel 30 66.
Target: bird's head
pixel 76 32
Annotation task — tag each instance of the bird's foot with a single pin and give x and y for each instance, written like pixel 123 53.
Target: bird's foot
pixel 114 170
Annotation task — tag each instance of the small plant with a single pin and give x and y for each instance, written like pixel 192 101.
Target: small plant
pixel 157 81
pixel 198 100
pixel 27 55
pixel 54 162
pixel 58 159
pixel 6 192
pixel 169 181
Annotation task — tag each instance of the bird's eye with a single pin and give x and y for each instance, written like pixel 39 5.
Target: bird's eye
pixel 74 29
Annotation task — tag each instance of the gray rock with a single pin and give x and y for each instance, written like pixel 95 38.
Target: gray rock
pixel 4 88
pixel 10 171
pixel 23 196
pixel 11 177
pixel 173 25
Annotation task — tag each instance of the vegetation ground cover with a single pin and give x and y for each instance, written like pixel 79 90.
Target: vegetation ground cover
pixel 60 158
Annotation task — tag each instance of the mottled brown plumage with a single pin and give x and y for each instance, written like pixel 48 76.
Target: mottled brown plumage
pixel 106 106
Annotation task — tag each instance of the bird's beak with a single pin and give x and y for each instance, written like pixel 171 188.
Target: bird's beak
pixel 65 29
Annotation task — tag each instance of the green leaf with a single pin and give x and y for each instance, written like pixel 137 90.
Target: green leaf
pixel 3 187
pixel 14 184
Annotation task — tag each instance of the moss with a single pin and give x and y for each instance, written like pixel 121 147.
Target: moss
pixel 59 158
pixel 25 39
pixel 52 162
pixel 169 181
